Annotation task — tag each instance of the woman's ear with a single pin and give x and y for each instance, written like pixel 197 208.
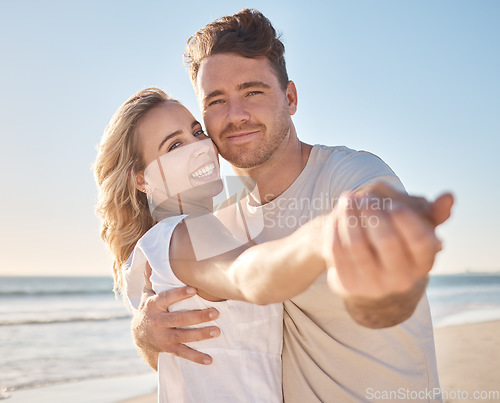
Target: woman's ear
pixel 140 182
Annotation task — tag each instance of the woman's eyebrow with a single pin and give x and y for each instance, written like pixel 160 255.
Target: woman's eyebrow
pixel 176 133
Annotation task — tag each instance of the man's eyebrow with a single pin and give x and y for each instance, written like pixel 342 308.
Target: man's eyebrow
pixel 176 133
pixel 243 86
pixel 195 123
pixel 253 84
pixel 213 94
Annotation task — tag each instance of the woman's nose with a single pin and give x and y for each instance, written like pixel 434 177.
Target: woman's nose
pixel 201 147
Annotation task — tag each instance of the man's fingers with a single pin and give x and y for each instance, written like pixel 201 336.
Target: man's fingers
pixel 164 299
pixel 356 240
pixel 387 243
pixel 183 351
pixel 344 266
pixel 419 237
pixel 190 335
pixel 185 318
pixel 441 208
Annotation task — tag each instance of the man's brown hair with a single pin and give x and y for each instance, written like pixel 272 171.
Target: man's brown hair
pixel 247 33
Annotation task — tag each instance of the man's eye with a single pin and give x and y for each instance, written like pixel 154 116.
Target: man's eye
pixel 199 133
pixel 252 93
pixel 217 101
pixel 173 146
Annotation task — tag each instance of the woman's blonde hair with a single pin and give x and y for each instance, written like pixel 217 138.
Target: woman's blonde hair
pixel 122 208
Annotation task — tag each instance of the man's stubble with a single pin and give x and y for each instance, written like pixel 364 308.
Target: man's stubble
pixel 253 155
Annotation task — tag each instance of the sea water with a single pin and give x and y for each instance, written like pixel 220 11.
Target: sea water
pixel 61 329
pixel 464 298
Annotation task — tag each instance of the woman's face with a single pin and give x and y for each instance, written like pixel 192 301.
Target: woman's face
pixel 177 155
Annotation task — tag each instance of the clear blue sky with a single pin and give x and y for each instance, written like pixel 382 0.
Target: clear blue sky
pixel 416 82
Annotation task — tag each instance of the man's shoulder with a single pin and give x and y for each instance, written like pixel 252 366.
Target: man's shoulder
pixel 330 156
pixel 334 149
pixel 347 169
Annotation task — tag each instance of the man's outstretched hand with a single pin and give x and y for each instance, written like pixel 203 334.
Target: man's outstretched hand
pixel 155 329
pixel 381 246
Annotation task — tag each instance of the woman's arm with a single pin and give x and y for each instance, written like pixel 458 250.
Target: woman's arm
pixel 271 272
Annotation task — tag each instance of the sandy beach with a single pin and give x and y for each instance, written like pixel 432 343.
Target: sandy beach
pixel 468 359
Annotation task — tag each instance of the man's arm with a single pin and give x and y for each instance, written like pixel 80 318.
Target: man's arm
pixel 267 273
pixel 384 245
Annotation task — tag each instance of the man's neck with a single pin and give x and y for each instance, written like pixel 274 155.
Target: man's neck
pixel 280 170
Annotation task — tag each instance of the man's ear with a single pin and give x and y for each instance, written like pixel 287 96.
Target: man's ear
pixel 140 182
pixel 291 96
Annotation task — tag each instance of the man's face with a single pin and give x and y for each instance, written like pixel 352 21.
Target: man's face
pixel 245 111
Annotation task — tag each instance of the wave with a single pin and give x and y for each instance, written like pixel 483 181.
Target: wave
pixel 41 293
pixel 467 316
pixel 9 391
pixel 48 321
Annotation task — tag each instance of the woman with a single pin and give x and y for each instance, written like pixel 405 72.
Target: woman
pixel 154 153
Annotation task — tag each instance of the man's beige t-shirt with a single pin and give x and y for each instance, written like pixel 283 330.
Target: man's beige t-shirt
pixel 327 357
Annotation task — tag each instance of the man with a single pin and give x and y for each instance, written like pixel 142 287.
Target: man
pixel 379 255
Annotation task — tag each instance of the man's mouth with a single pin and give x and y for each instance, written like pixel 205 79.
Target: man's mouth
pixel 241 136
pixel 205 170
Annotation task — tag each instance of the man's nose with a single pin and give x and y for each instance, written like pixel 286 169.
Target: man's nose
pixel 237 112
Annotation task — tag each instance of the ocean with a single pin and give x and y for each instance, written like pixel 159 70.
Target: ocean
pixel 61 329
pixel 464 298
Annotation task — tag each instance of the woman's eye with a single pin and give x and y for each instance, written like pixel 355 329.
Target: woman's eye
pixel 173 146
pixel 199 133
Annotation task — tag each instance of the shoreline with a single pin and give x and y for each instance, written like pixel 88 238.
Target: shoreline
pixel 468 359
pixel 101 390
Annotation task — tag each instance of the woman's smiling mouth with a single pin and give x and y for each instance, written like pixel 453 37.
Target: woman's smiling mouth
pixel 204 171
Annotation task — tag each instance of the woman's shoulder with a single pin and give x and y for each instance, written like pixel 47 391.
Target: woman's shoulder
pixel 162 228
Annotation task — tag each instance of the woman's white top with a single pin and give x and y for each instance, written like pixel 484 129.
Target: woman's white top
pixel 246 364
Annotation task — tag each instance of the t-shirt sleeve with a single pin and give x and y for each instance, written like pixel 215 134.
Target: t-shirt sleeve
pixel 133 278
pixel 153 247
pixel 361 168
